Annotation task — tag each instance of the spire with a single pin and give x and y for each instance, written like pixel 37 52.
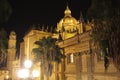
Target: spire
pixel 43 28
pixel 46 29
pixel 67 12
pixel 60 37
pixel 51 29
pixel 81 17
pixel 63 29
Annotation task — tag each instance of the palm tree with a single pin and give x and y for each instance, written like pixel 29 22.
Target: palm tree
pixel 47 52
pixel 3 47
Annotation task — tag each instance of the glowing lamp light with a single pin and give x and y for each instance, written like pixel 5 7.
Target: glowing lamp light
pixel 35 73
pixel 27 64
pixel 7 77
pixel 23 73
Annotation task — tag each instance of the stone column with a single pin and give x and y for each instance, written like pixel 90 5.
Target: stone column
pixel 78 66
pixel 63 69
pixel 90 65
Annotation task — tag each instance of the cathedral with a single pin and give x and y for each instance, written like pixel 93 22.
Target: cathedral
pixel 74 37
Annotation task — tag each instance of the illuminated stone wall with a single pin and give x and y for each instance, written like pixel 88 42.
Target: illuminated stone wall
pixel 76 41
pixel 87 66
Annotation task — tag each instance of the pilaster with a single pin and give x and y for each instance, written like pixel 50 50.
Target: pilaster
pixel 90 65
pixel 78 66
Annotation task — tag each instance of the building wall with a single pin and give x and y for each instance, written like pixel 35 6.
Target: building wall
pixel 22 54
pixel 30 38
pixel 86 66
pixel 81 62
pixel 28 44
pixel 11 56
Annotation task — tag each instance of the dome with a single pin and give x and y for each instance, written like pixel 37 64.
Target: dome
pixel 68 22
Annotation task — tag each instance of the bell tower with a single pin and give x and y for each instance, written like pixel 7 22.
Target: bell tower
pixel 11 51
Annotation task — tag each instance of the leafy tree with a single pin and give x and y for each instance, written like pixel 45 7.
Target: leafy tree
pixel 106 29
pixel 47 52
pixel 3 47
pixel 5 10
pixel 101 10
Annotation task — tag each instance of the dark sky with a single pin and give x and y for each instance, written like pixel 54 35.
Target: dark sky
pixel 47 12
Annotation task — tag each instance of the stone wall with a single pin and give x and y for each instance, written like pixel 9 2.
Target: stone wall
pixel 87 66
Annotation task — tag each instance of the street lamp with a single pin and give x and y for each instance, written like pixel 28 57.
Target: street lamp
pixel 26 72
pixel 6 77
pixel 23 73
pixel 27 64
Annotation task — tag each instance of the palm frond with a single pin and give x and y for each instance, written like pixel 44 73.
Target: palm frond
pixel 48 52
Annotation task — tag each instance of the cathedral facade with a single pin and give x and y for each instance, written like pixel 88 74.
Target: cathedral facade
pixel 81 62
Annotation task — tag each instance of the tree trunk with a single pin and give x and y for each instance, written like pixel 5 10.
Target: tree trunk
pixel 42 73
pixel 42 68
pixel 48 77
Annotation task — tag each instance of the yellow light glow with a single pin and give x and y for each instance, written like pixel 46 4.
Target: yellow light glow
pixel 7 77
pixel 35 73
pixel 23 73
pixel 27 64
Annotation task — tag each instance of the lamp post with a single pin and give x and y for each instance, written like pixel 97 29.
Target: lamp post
pixel 28 64
pixel 25 72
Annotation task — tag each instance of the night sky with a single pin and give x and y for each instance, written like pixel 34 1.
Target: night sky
pixel 42 12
